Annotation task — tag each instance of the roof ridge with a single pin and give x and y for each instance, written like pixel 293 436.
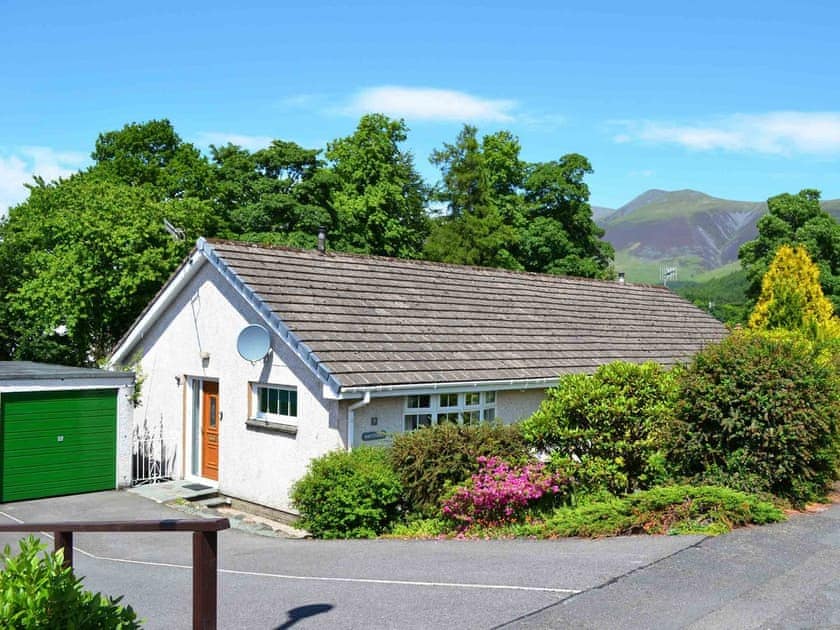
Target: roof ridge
pixel 419 262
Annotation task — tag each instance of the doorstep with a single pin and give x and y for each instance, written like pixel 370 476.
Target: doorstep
pixel 168 491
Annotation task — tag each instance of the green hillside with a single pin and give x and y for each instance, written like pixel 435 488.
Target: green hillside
pixel 698 234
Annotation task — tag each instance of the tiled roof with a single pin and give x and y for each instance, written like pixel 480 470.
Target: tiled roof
pixel 383 321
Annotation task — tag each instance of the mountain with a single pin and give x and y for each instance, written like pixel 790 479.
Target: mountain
pixel 698 234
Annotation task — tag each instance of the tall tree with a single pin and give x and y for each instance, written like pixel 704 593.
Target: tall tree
pixel 795 220
pixel 560 235
pixel 380 198
pixel 280 194
pixel 85 255
pixel 479 186
pixel 151 154
pixel 503 212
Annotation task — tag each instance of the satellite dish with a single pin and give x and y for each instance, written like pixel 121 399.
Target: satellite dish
pixel 253 342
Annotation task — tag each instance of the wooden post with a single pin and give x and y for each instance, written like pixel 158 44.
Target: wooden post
pixel 64 540
pixel 204 580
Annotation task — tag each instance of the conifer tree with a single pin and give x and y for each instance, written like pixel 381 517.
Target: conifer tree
pixel 792 298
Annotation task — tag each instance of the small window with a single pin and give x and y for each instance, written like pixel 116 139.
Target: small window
pixel 416 420
pixel 419 402
pixel 489 398
pixel 278 402
pixel 489 415
pixel 472 399
pixel 450 418
pixel 449 400
pixel 473 417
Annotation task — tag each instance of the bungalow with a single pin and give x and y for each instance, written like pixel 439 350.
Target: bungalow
pixel 258 359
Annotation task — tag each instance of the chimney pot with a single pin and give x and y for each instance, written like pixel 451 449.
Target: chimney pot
pixel 322 239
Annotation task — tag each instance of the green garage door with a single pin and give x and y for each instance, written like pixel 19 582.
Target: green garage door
pixel 54 443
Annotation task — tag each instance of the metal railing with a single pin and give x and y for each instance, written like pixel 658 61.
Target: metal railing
pixel 153 459
pixel 204 548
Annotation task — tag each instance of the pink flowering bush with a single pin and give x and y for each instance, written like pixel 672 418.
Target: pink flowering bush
pixel 498 493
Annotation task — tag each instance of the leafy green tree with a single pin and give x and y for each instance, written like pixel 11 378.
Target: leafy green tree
pixel 379 198
pixel 280 194
pixel 560 235
pixel 85 255
pixel 151 154
pixel 795 220
pixel 503 212
pixel 480 188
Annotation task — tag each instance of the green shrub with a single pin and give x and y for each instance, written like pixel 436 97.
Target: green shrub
pixel 706 510
pixel 759 412
pixel 353 494
pixel 431 460
pixel 36 591
pixel 605 430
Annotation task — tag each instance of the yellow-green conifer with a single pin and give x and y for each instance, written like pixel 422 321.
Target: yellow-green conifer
pixel 791 297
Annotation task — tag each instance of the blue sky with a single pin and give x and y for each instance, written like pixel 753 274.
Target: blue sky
pixel 738 99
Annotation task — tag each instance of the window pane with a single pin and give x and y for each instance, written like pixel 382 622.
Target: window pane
pixel 272 400
pixel 263 400
pixel 489 415
pixel 415 421
pixel 472 399
pixel 418 402
pixel 447 418
pixel 293 404
pixel 471 417
pixel 283 395
pixel 489 397
pixel 449 400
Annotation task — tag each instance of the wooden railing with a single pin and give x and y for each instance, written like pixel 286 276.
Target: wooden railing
pixel 205 552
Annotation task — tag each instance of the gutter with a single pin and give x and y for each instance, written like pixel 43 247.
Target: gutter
pixel 528 383
pixel 351 419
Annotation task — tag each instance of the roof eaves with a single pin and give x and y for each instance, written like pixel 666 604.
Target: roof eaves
pixel 304 352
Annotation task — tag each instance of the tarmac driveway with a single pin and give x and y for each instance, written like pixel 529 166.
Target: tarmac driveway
pixel 622 582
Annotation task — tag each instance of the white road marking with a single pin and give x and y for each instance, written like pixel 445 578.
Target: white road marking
pixel 280 576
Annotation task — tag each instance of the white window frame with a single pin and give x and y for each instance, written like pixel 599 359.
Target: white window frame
pixel 269 417
pixel 435 409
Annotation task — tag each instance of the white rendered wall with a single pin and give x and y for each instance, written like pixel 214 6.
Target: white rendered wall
pixel 255 464
pixel 513 405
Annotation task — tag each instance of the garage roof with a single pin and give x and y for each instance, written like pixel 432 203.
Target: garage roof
pixel 29 370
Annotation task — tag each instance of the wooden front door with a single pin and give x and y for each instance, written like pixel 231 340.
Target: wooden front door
pixel 210 430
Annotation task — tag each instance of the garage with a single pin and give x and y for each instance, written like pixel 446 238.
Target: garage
pixel 63 430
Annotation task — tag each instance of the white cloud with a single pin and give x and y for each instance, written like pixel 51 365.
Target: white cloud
pixel 18 167
pixel 219 138
pixel 430 104
pixel 777 133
